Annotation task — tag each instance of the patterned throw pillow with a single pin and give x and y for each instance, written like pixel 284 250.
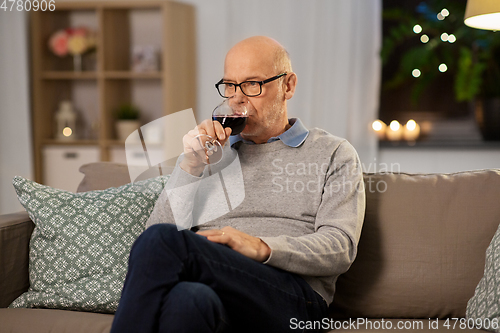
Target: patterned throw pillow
pixel 80 246
pixel 484 307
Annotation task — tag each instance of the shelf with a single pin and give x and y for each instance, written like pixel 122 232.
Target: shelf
pixel 108 80
pixel 132 75
pixel 69 75
pixel 92 75
pixel 71 142
pixel 120 143
pixel 437 144
pixel 115 143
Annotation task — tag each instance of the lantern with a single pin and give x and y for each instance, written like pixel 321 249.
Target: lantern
pixel 66 121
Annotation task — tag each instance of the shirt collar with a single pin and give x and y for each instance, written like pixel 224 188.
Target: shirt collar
pixel 293 137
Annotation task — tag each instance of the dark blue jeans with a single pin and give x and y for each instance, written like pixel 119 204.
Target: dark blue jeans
pixel 179 281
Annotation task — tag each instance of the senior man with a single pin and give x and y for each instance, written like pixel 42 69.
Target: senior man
pixel 272 262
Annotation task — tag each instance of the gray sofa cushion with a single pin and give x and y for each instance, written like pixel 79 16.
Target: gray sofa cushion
pixel 422 248
pixel 103 175
pixel 60 321
pixel 14 237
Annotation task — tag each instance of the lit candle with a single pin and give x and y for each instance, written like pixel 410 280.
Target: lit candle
pixel 380 128
pixel 395 131
pixel 411 131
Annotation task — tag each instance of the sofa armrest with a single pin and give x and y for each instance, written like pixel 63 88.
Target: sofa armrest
pixel 15 234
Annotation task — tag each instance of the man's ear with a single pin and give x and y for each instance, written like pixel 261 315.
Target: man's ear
pixel 290 84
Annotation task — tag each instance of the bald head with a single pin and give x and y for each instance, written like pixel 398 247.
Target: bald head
pixel 266 52
pixel 259 59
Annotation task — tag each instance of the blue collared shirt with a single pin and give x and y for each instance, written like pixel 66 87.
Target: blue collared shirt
pixel 292 137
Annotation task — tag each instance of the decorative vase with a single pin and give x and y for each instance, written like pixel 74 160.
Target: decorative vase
pixel 77 62
pixel 125 127
pixel 89 61
pixel 488 118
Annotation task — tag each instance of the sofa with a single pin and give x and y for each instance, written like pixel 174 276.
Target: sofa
pixel 420 256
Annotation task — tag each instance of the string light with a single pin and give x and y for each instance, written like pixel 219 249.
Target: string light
pixel 444 37
pixel 416 72
pixel 445 12
pixel 443 68
pixel 440 17
pixel 424 39
pixel 417 29
pixel 452 38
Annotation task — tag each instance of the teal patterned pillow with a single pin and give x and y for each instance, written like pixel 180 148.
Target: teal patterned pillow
pixel 80 246
pixel 484 306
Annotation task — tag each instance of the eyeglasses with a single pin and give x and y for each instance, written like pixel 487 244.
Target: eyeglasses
pixel 249 88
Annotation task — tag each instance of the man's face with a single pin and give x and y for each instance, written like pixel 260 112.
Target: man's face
pixel 267 110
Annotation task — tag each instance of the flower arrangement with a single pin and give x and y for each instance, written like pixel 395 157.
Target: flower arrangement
pixel 73 41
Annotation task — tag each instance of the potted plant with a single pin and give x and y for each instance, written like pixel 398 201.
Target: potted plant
pixel 127 120
pixel 431 39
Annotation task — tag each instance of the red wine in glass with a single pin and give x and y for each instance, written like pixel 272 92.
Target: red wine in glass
pixel 229 113
pixel 236 122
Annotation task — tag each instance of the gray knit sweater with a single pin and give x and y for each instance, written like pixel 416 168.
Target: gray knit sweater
pixel 307 203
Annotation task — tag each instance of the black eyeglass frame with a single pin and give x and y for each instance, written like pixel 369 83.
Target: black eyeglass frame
pixel 261 83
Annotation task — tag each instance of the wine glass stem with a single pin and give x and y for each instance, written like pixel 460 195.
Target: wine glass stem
pixel 209 143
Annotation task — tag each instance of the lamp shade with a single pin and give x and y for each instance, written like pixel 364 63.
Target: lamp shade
pixel 483 14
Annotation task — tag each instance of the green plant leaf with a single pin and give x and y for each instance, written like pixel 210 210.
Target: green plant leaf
pixel 127 112
pixel 468 79
pixel 473 59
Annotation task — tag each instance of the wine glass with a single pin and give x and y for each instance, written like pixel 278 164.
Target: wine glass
pixel 230 114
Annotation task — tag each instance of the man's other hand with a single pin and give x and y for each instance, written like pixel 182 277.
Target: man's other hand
pixel 251 247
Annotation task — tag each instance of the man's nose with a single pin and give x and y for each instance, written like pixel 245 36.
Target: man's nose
pixel 238 103
pixel 238 97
